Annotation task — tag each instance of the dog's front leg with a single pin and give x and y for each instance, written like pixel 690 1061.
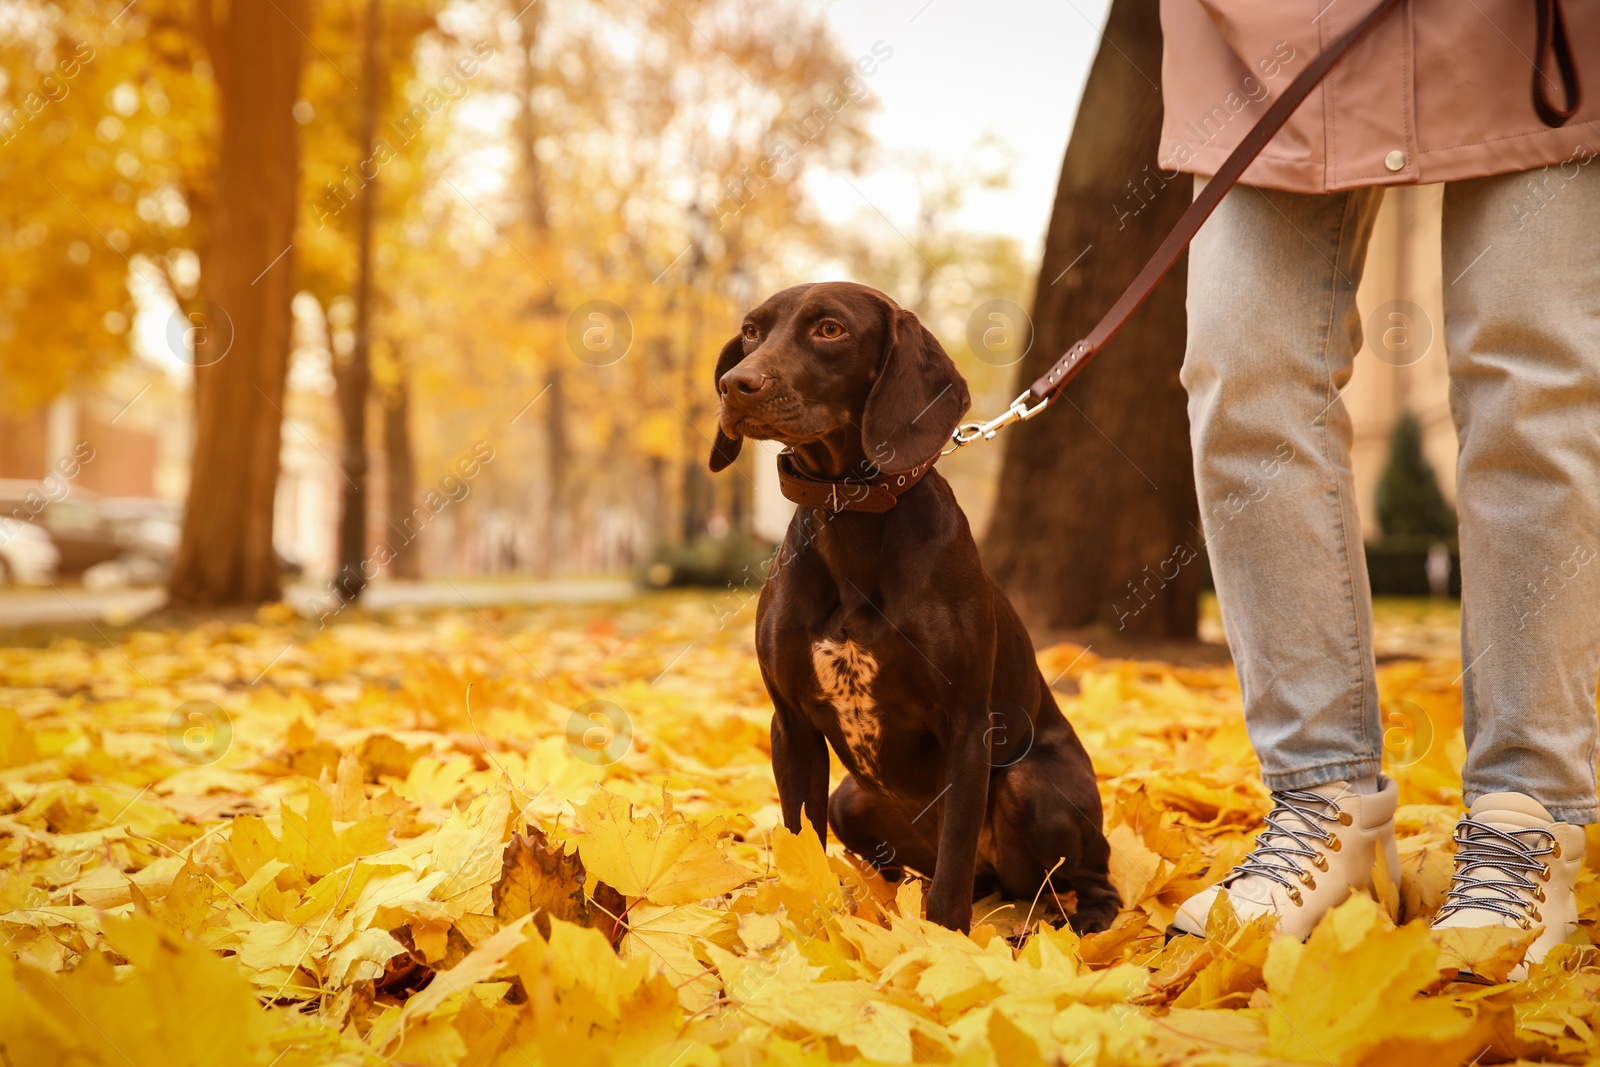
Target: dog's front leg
pixel 962 809
pixel 800 765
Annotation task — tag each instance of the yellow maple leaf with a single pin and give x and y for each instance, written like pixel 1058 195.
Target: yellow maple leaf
pixel 538 876
pixel 852 1012
pixel 1489 952
pixel 17 747
pixel 1012 1045
pixel 316 847
pixel 179 1006
pixel 665 861
pixel 478 966
pixel 1352 994
pixel 1135 869
pixel 1235 954
pixel 802 864
pixel 670 936
pixel 1109 946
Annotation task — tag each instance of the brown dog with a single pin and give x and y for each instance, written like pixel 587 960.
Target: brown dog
pixel 878 630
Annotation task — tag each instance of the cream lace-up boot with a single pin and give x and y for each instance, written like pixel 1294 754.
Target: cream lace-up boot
pixel 1319 846
pixel 1515 867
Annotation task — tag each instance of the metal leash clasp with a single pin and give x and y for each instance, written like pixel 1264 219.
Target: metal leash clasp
pixel 1019 411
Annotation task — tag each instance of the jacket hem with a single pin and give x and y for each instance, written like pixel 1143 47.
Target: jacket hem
pixel 1543 148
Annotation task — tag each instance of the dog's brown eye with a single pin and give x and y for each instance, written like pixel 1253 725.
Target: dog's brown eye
pixel 750 332
pixel 829 330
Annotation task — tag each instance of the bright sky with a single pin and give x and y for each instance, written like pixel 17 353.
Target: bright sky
pixel 1013 69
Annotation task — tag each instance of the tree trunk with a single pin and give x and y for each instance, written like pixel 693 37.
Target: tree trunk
pixel 530 20
pixel 558 505
pixel 1095 520
pixel 699 491
pixel 354 380
pixel 400 480
pixel 226 556
pixel 556 500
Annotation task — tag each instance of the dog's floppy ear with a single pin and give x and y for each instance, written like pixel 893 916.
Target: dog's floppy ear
pixel 916 402
pixel 725 449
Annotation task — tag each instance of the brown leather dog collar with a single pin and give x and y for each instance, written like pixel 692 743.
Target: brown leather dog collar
pixel 855 494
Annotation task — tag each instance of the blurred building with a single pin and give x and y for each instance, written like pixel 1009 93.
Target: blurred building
pixel 139 421
pixel 1402 363
pixel 136 423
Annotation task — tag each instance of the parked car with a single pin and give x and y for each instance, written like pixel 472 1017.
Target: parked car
pixel 82 535
pixel 27 555
pixel 148 531
pixel 107 541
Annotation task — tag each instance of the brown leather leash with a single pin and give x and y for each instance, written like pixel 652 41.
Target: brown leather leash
pixel 1551 34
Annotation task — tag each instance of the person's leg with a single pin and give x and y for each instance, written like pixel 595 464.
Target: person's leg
pixel 1522 326
pixel 1273 333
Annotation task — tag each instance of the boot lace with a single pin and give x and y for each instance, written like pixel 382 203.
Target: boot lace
pixel 1280 847
pixel 1503 857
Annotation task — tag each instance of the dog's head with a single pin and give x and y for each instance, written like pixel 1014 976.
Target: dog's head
pixel 837 361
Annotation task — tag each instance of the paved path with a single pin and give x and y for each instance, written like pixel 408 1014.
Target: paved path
pixel 69 604
pixel 74 604
pixel 311 600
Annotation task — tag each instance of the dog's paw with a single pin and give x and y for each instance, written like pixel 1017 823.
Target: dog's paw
pixel 1093 919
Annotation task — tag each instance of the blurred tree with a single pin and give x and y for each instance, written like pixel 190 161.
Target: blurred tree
pixel 661 149
pixel 399 472
pixel 944 272
pixel 1096 508
pixel 355 375
pixel 554 511
pixel 356 139
pixel 1410 503
pixel 935 267
pixel 247 276
pixel 106 150
pixel 666 146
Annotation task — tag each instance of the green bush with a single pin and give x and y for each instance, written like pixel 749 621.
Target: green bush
pixel 710 561
pixel 1410 504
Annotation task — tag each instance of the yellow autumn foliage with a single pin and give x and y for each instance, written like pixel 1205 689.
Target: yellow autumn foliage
pixel 278 844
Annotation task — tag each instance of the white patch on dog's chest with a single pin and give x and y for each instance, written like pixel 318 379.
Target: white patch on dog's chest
pixel 845 672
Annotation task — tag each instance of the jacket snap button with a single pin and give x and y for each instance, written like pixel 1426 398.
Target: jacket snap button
pixel 1395 160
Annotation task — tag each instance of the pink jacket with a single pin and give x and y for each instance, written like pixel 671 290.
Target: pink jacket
pixel 1440 90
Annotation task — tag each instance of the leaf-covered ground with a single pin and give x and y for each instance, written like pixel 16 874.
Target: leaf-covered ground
pixel 410 840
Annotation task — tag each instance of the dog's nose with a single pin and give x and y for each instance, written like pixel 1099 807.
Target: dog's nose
pixel 742 382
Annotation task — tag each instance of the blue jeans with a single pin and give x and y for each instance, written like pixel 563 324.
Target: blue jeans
pixel 1273 333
